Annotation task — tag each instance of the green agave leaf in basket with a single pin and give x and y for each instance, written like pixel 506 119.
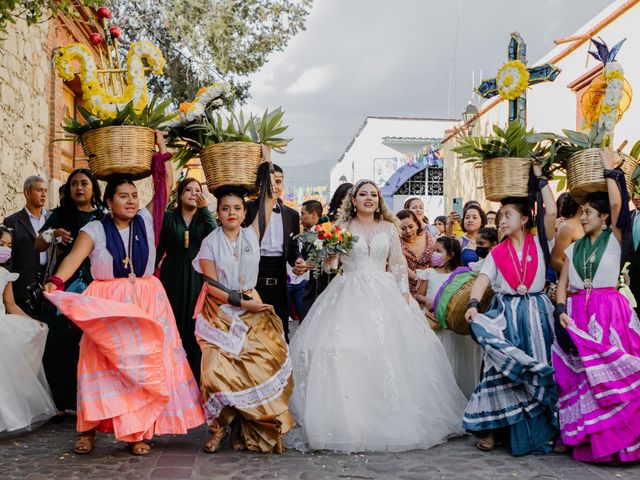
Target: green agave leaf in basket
pixel 512 142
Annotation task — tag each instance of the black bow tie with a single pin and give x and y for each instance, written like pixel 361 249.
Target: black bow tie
pixel 277 208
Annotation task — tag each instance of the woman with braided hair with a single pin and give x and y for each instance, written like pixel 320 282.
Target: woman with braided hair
pixel 246 372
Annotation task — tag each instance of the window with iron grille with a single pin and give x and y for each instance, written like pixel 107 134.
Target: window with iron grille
pixel 429 181
pixel 435 181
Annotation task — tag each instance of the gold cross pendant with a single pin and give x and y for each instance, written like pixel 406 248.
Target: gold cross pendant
pixel 125 262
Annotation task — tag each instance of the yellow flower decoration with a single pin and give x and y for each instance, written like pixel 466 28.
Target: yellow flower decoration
pixel 512 79
pixel 98 101
pixel 326 227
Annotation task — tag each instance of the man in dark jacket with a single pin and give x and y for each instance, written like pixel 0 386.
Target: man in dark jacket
pixel 26 223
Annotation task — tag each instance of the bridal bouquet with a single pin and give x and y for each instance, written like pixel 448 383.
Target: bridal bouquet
pixel 324 240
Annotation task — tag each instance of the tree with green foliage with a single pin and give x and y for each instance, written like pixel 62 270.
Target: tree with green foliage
pixel 206 41
pixel 35 11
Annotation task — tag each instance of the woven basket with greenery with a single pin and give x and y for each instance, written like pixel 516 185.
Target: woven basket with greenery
pixel 229 148
pixel 124 144
pixel 505 158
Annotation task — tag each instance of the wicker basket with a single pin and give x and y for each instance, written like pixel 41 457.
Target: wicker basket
pixel 505 177
pixel 119 149
pixel 231 163
pixel 585 172
pixel 457 307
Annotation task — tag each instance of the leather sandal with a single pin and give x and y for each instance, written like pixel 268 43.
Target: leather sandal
pixel 214 443
pixel 85 443
pixel 139 448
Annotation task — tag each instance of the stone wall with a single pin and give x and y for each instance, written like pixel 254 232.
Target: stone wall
pixel 24 111
pixel 31 110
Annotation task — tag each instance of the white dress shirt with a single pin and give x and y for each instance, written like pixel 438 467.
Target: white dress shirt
pixel 272 244
pixel 37 224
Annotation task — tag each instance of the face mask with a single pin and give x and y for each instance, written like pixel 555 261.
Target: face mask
pixel 5 254
pixel 482 252
pixel 438 260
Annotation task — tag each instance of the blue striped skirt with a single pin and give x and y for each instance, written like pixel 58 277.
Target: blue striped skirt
pixel 517 390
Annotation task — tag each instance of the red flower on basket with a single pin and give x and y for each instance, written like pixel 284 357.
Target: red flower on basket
pixel 324 240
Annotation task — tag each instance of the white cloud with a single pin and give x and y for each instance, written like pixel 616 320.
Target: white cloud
pixel 311 80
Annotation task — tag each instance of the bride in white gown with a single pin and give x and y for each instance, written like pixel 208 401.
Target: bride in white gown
pixel 369 374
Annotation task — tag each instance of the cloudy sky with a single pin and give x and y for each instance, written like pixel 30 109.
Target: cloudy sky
pixel 395 58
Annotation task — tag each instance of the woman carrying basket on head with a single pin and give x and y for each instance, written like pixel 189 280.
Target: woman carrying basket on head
pixel 246 373
pixel 598 366
pixel 133 375
pixel 517 392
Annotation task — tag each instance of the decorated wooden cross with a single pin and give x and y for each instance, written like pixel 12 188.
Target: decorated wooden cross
pixel 514 78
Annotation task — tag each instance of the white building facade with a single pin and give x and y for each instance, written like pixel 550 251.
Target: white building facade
pixel 387 146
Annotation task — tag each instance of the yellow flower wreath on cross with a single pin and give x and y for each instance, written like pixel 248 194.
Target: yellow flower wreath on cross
pixel 512 79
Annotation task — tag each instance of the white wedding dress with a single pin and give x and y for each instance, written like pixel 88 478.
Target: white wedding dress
pixel 25 398
pixel 369 374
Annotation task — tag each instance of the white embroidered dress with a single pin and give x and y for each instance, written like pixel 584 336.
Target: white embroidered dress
pixel 369 374
pixel 237 269
pixel 25 398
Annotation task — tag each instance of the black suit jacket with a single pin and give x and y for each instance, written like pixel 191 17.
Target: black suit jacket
pixel 291 228
pixel 24 258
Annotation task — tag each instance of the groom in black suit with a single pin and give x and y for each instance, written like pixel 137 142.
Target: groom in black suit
pixel 277 248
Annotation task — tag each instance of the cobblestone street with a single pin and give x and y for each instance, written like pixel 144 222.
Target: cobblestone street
pixel 47 454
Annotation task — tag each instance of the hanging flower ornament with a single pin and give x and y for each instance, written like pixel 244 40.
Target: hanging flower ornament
pixel 512 79
pixel 609 94
pixel 104 89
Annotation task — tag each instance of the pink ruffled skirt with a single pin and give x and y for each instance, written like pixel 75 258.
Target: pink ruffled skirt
pixel 133 376
pixel 599 385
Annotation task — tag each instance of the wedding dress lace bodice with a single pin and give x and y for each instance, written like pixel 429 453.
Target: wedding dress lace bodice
pixel 377 251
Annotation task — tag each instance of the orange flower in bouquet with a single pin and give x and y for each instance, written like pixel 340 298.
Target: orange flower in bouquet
pixel 324 240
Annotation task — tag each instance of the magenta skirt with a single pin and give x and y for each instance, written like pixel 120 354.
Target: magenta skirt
pixel 599 383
